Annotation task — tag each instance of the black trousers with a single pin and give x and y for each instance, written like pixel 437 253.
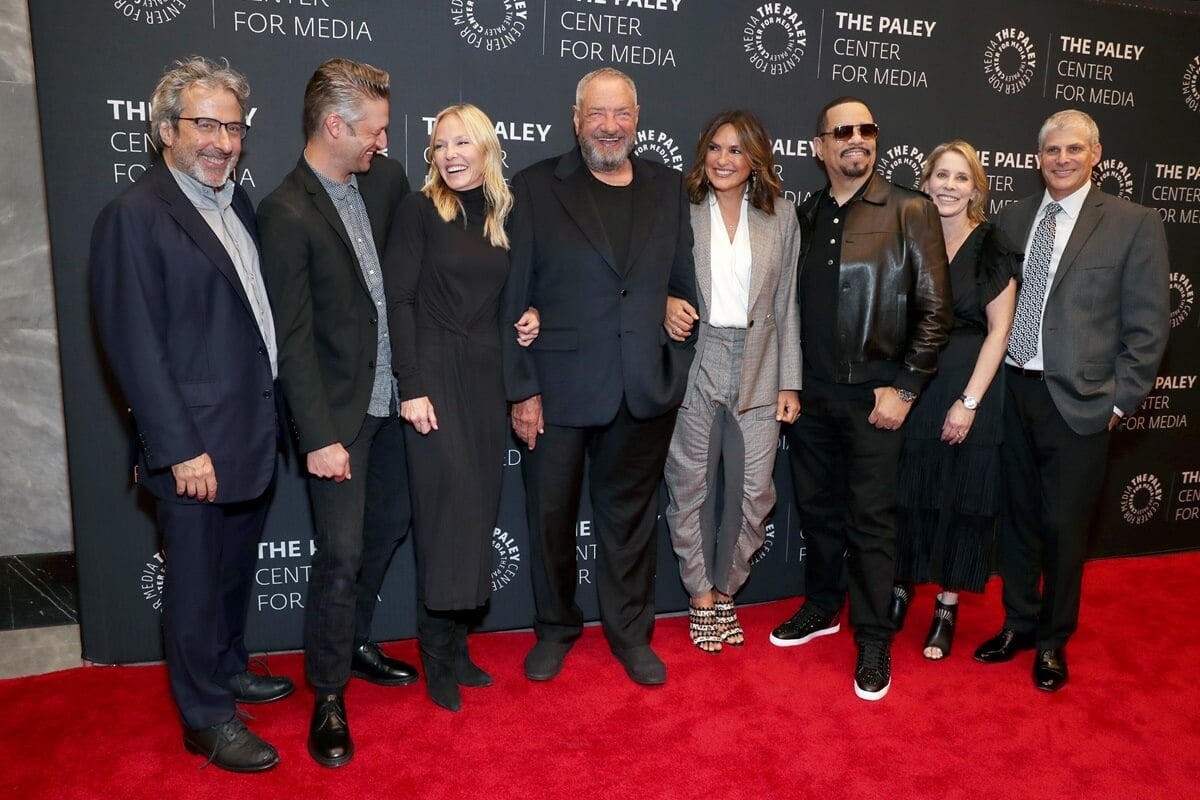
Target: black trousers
pixel 844 475
pixel 626 460
pixel 211 552
pixel 1054 477
pixel 358 525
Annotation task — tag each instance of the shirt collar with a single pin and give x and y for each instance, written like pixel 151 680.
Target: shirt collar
pixel 338 191
pixel 1072 204
pixel 201 196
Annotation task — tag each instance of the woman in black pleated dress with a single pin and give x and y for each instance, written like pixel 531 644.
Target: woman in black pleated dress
pixel 949 469
pixel 444 272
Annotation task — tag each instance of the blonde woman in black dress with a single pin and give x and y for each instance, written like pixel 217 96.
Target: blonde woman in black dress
pixel 949 468
pixel 443 277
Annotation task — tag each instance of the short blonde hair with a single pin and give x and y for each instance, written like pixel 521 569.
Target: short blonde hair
pixel 339 86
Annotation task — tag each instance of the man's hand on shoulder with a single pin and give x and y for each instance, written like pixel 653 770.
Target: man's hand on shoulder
pixel 196 478
pixel 330 461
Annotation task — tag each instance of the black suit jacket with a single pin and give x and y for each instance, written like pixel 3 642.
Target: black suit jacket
pixel 325 321
pixel 602 334
pixel 182 340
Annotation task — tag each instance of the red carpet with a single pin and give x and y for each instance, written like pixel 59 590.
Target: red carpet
pixel 756 722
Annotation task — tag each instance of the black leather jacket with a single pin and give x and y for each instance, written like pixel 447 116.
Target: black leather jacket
pixel 897 313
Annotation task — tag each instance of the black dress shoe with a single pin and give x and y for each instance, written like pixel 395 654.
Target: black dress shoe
pixel 642 665
pixel 231 746
pixel 1050 669
pixel 372 664
pixel 1004 646
pixel 250 687
pixel 898 609
pixel 545 660
pixel 329 741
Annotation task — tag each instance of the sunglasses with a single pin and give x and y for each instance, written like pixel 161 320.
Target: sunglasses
pixel 867 130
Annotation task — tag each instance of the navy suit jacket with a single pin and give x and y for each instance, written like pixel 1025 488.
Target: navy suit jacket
pixel 182 339
pixel 602 335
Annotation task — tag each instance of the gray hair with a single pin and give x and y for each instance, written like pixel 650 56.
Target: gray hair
pixel 339 86
pixel 166 104
pixel 603 72
pixel 1070 118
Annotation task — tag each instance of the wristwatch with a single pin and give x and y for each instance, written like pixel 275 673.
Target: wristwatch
pixel 905 394
pixel 969 402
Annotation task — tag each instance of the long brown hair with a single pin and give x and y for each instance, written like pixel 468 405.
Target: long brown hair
pixel 764 184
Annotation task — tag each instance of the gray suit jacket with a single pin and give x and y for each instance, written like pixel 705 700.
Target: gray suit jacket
pixel 771 360
pixel 1108 313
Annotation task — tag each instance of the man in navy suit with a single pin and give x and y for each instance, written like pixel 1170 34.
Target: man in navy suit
pixel 599 238
pixel 184 319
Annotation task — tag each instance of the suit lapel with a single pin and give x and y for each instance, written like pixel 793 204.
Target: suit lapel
pixel 324 205
pixel 575 194
pixel 1089 218
pixel 760 244
pixel 702 235
pixel 188 218
pixel 1023 217
pixel 645 202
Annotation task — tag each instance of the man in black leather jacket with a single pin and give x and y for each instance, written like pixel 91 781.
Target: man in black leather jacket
pixel 875 310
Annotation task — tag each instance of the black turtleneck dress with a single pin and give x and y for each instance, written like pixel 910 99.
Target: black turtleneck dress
pixel 443 282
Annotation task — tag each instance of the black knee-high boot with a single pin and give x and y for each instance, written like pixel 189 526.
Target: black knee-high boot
pixel 436 634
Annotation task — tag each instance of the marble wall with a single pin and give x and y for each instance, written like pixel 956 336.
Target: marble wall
pixel 35 513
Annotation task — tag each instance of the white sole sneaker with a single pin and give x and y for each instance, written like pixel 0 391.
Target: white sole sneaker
pixel 834 628
pixel 863 694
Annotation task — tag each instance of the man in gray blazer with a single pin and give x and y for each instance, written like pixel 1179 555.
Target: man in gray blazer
pixel 1090 329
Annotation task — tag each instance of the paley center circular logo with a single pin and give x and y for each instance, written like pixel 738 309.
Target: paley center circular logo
pixel 660 146
pixel 1181 298
pixel 1114 177
pixel 154 572
pixel 1191 84
pixel 774 38
pixel 489 24
pixel 768 542
pixel 1009 61
pixel 901 165
pixel 1141 499
pixel 150 12
pixel 506 559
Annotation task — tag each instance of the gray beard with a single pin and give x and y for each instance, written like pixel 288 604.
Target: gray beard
pixel 599 162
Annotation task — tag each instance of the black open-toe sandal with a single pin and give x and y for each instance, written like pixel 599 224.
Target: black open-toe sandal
pixel 898 608
pixel 702 627
pixel 941 630
pixel 728 626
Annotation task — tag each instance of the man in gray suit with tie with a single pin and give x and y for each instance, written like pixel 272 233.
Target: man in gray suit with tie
pixel 1090 329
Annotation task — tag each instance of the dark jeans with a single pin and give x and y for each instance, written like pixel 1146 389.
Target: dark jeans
pixel 626 460
pixel 359 523
pixel 1054 477
pixel 211 550
pixel 844 474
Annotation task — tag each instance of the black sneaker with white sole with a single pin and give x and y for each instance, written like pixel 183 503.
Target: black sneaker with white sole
pixel 873 674
pixel 804 626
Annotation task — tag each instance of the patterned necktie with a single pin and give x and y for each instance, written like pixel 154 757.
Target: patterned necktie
pixel 1027 322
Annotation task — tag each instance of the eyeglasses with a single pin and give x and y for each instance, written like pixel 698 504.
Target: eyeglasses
pixel 867 130
pixel 210 127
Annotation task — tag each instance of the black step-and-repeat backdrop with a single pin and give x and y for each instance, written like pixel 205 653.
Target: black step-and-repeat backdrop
pixel 989 73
